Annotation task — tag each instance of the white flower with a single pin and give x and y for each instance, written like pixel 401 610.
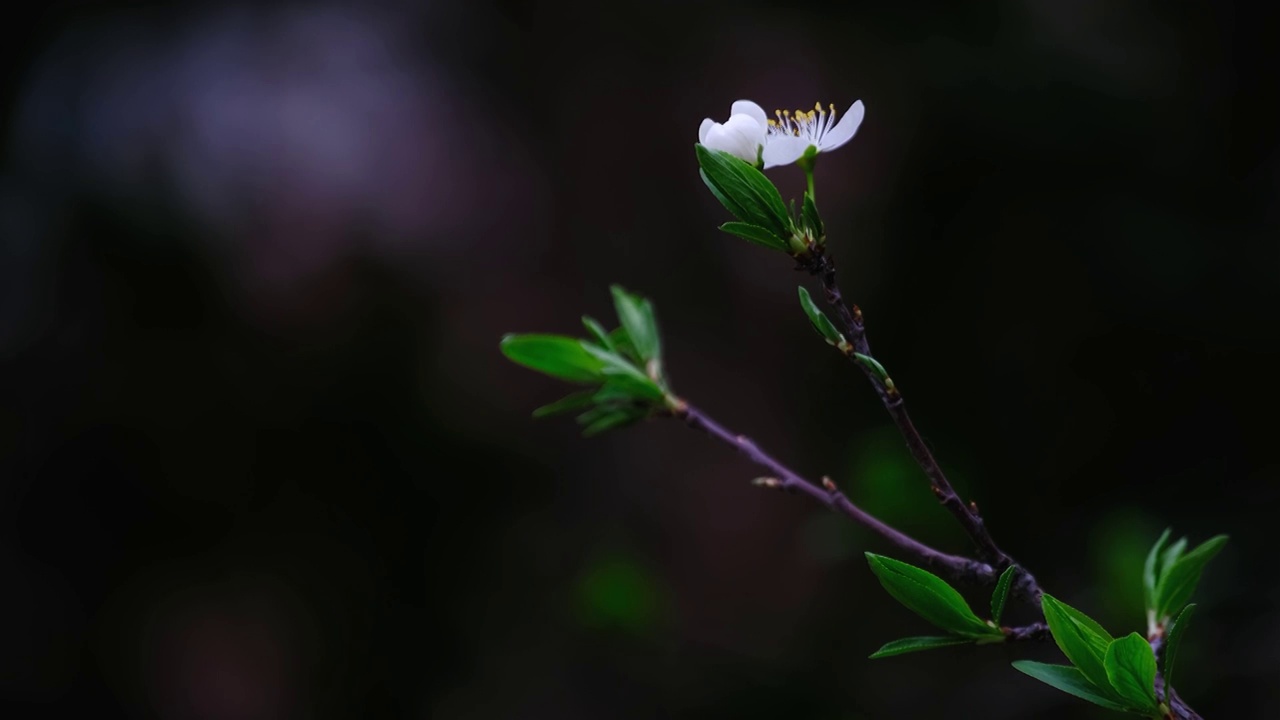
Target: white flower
pixel 741 135
pixel 750 134
pixel 790 135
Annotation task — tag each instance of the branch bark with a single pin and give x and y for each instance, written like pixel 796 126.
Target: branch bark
pixel 1025 586
pixel 957 568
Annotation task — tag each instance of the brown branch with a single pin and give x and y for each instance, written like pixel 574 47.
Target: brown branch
pixel 1178 708
pixel 967 515
pixel 958 568
pixel 1035 631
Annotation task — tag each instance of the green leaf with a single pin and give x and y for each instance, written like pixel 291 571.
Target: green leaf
pixel 1171 555
pixel 568 403
pixel 1001 595
pixel 1082 640
pixel 1131 670
pixel 599 419
pixel 622 344
pixel 636 315
pixel 1151 571
pixel 818 319
pixel 598 332
pixel 744 191
pixel 622 373
pixel 634 384
pixel 1173 642
pixel 916 644
pixel 755 234
pixel 1178 583
pixel 811 218
pixel 1069 680
pixel 555 355
pixel 928 596
pixel 873 365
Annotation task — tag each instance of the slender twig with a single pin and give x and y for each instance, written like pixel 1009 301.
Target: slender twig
pixel 958 568
pixel 1034 631
pixel 823 266
pixel 1178 709
pixel 967 515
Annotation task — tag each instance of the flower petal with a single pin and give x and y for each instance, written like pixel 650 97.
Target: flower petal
pixel 844 130
pixel 703 129
pixel 739 136
pixel 746 107
pixel 783 150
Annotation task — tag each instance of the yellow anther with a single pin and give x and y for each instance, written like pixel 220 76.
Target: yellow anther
pixel 817 106
pixel 833 108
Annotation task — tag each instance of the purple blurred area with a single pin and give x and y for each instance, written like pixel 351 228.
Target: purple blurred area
pixel 261 457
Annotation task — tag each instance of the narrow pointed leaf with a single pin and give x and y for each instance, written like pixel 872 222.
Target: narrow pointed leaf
pixel 755 234
pixel 636 315
pixel 1151 571
pixel 812 219
pixel 568 403
pixel 1001 594
pixel 619 370
pixel 1082 640
pixel 622 345
pixel 818 319
pixel 873 365
pixel 916 644
pixel 555 355
pixel 598 332
pixel 1178 582
pixel 1069 680
pixel 1173 643
pixel 609 420
pixel 638 388
pixel 928 596
pixel 1171 555
pixel 1131 670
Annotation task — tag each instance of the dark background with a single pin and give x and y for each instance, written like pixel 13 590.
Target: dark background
pixel 261 458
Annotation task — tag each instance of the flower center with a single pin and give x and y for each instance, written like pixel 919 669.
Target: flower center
pixel 809 124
